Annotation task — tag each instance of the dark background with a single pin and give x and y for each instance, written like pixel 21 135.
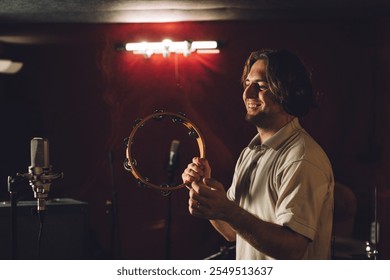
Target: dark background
pixel 83 95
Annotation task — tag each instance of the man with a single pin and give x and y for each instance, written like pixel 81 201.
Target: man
pixel 280 203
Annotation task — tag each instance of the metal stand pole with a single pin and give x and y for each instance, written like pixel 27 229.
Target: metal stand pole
pixel 168 225
pixel 115 248
pixel 12 189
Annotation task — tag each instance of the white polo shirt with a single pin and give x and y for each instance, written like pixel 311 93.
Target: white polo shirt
pixel 287 180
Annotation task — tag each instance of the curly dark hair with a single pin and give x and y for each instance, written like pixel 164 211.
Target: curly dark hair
pixel 287 78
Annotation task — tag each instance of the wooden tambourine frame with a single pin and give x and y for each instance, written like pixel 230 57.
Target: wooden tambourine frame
pixel 130 163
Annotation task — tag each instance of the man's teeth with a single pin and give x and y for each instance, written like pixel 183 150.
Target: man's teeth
pixel 252 106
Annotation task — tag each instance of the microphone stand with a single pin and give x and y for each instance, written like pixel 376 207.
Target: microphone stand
pixel 115 252
pixel 173 164
pixel 223 253
pixel 168 224
pixel 371 248
pixel 40 178
pixel 12 189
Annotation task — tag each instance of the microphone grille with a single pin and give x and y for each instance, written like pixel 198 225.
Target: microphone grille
pixel 40 152
pixel 175 145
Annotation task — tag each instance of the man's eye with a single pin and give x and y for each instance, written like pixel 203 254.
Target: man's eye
pixel 257 86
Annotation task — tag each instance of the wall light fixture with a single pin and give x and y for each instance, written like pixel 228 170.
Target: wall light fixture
pixel 9 67
pixel 167 46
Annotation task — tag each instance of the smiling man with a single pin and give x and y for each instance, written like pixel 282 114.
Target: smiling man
pixel 280 202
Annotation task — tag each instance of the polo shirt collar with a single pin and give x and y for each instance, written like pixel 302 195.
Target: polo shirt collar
pixel 279 137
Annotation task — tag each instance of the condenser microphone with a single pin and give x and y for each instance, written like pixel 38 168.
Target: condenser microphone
pixel 173 159
pixel 40 159
pixel 174 154
pixel 40 173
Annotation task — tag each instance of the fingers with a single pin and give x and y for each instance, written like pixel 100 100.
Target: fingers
pixel 196 204
pixel 207 198
pixel 193 204
pixel 192 173
pixel 196 170
pixel 204 165
pixel 213 184
pixel 208 187
pixel 207 195
pixel 201 189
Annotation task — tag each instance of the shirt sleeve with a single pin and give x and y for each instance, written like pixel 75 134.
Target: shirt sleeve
pixel 303 188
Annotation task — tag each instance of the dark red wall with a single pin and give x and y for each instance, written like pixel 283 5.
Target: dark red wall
pixel 83 95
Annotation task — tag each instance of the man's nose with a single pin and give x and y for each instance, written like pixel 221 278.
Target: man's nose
pixel 250 91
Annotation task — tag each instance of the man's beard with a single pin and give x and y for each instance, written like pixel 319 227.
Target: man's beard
pixel 261 120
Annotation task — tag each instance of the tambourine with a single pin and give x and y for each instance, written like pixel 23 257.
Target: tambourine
pixel 130 163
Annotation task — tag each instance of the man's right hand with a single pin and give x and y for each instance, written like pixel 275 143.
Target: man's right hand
pixel 198 169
